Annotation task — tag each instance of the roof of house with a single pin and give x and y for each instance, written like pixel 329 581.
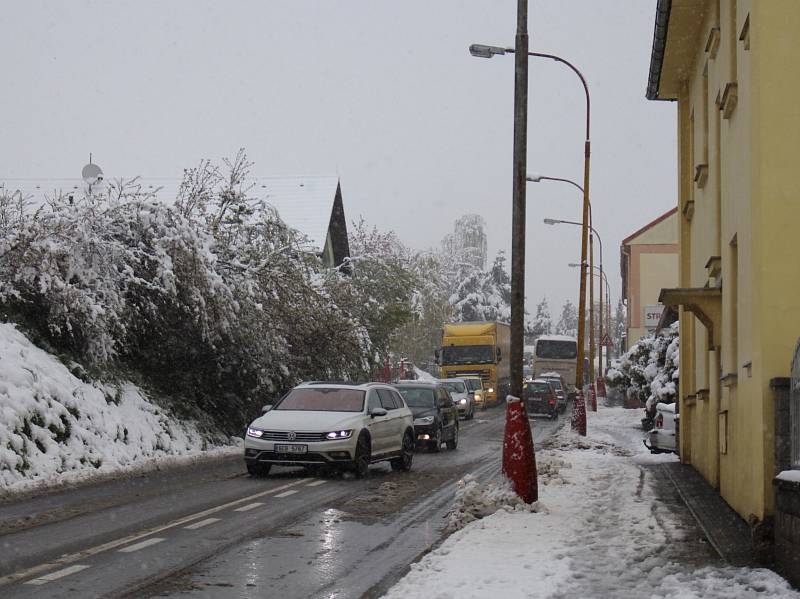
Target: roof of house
pixel 304 203
pixel 649 225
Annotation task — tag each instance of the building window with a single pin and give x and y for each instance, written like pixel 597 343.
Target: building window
pixel 733 289
pixel 794 409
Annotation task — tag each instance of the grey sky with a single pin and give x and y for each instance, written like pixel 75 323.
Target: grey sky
pixel 383 93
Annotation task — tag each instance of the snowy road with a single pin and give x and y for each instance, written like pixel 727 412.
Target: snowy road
pixel 211 531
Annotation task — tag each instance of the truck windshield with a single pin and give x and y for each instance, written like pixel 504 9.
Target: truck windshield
pixel 467 354
pixel 556 350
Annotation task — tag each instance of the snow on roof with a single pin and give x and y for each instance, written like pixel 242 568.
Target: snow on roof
pixel 304 203
pixel 556 338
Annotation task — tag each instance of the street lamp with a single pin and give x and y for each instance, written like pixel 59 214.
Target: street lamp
pixel 484 51
pixel 603 281
pixel 553 221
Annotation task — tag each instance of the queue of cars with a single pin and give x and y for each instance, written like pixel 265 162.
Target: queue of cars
pixel 348 426
pixel 545 394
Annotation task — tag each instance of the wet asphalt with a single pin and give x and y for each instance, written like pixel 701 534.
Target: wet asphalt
pixel 211 531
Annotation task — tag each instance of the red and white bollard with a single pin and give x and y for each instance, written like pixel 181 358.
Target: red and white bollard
pixel 579 414
pixel 519 460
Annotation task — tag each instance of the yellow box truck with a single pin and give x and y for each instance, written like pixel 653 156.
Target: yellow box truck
pixel 478 349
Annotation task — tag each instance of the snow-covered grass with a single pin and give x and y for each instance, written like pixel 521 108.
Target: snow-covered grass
pixel 56 428
pixel 599 530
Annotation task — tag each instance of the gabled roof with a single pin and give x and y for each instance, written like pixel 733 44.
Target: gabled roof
pixel 304 203
pixel 648 226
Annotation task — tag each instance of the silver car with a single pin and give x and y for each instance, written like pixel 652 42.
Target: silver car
pixel 462 397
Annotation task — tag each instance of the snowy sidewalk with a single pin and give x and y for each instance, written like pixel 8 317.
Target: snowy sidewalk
pixel 607 525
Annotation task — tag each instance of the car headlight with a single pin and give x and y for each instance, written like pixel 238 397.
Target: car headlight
pixel 339 434
pixel 424 420
pixel 476 397
pixel 490 390
pixel 462 401
pixel 254 432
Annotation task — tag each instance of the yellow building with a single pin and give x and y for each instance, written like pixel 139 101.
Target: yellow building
pixel 648 263
pixel 732 67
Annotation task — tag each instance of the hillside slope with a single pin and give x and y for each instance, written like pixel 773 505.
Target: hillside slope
pixel 57 428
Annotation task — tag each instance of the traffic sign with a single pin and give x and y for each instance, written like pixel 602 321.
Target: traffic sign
pixel 606 341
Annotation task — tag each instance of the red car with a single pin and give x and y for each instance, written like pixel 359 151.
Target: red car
pixel 540 398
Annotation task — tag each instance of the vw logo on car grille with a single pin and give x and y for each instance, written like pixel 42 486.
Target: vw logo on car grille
pixel 291 436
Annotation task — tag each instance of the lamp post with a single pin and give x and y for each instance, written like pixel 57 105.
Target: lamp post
pixel 538 179
pixel 483 51
pixel 603 281
pixel 553 221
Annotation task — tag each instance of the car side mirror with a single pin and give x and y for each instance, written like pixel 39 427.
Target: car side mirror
pixel 266 408
pixel 437 355
pixel 499 354
pixel 378 412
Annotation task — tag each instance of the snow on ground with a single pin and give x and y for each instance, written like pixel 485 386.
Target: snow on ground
pixel 599 530
pixel 56 428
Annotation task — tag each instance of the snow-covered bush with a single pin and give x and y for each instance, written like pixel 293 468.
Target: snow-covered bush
pixel 649 370
pixel 211 299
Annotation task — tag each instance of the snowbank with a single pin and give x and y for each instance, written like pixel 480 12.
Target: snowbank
pixel 604 533
pixel 56 428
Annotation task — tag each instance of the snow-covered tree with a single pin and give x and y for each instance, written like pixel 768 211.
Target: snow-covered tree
pixel 484 295
pixel 542 322
pixel 468 240
pixel 618 327
pixel 649 370
pixel 568 322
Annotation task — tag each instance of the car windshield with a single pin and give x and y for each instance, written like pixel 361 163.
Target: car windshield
pixel 537 387
pixel 556 350
pixel 473 384
pixel 455 386
pixel 417 397
pixel 556 384
pixel 467 354
pixel 323 399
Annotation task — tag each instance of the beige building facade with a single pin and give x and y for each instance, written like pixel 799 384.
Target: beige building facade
pixel 648 263
pixel 730 65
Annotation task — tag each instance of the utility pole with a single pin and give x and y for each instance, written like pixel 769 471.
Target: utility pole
pixel 518 212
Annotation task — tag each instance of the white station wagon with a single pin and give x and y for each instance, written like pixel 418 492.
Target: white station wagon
pixel 342 425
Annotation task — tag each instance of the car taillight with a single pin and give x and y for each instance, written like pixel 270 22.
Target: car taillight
pixel 660 421
pixel 552 402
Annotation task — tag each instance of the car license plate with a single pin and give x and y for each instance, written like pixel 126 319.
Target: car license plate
pixel 290 448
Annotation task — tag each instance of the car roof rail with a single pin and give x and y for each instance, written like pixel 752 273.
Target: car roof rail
pixel 342 382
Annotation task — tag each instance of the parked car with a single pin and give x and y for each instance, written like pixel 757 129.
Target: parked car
pixel 462 397
pixel 664 434
pixel 475 387
pixel 341 425
pixel 435 414
pixel 540 398
pixel 557 382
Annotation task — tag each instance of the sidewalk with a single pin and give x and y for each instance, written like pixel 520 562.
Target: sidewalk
pixel 609 524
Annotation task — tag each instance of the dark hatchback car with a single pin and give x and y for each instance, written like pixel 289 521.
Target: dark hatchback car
pixel 435 414
pixel 540 398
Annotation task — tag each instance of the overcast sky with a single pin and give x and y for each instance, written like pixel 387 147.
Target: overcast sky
pixel 381 92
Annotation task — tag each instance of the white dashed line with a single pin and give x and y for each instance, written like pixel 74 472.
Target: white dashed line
pixel 202 523
pixel 56 575
pixel 286 493
pixel 142 545
pixel 248 507
pixel 316 483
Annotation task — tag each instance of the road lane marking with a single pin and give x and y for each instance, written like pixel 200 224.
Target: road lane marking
pixel 142 545
pixel 57 574
pixel 74 557
pixel 316 483
pixel 286 493
pixel 248 507
pixel 201 524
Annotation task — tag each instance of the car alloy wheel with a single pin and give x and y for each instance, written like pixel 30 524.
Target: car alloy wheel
pixel 403 463
pixel 363 457
pixel 453 443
